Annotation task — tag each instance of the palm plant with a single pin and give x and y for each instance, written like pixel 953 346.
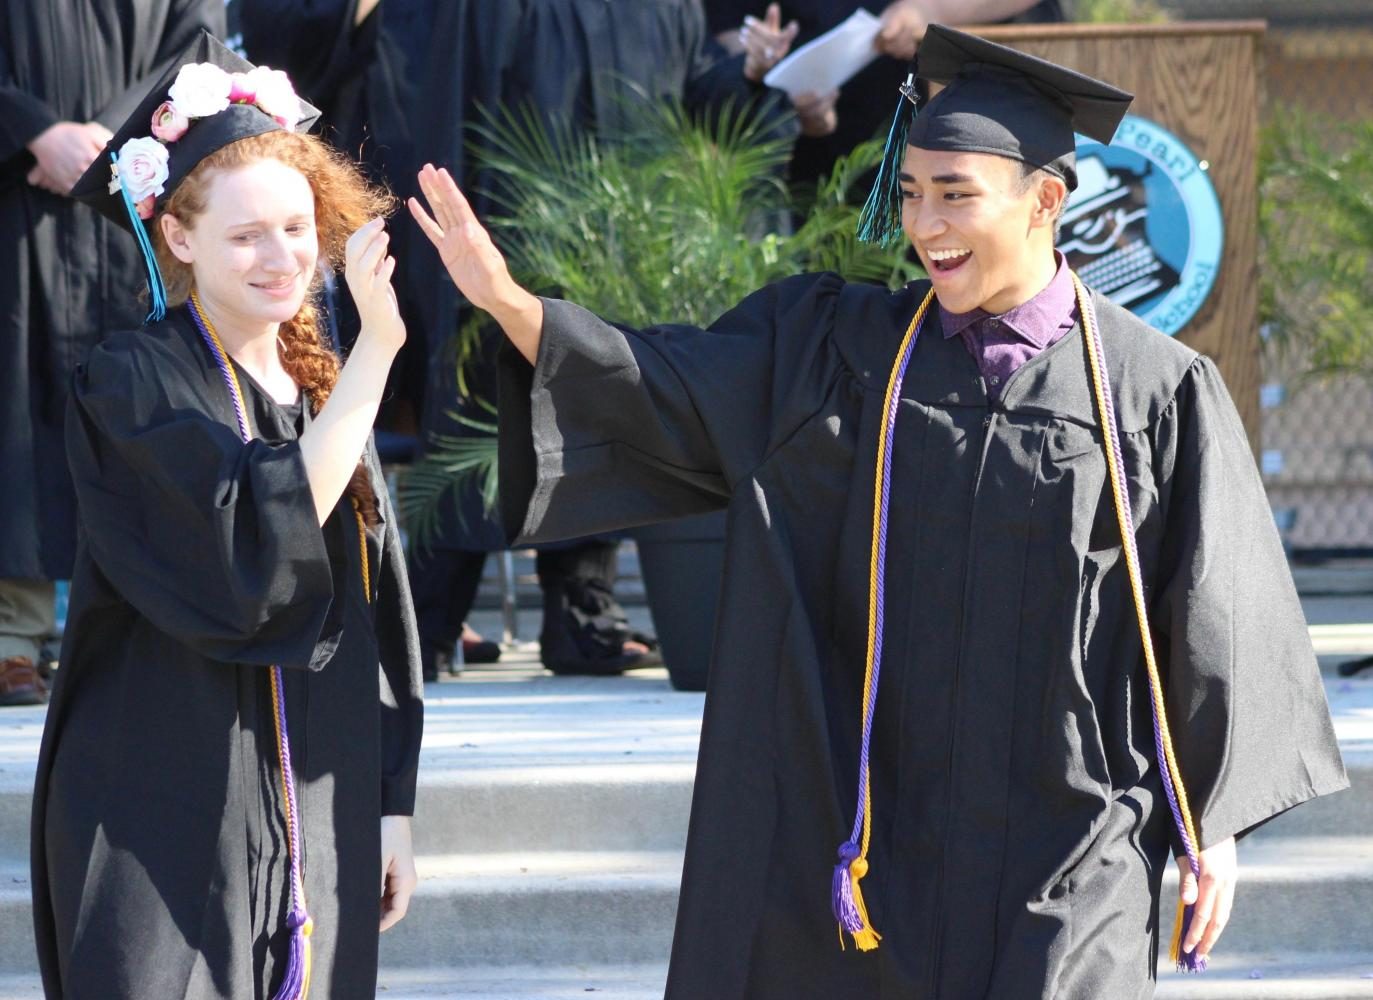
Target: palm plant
pixel 672 221
pixel 1316 232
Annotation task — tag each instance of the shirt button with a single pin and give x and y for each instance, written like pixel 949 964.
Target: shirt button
pixel 993 322
pixel 995 380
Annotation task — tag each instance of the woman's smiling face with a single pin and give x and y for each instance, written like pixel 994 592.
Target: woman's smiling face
pixel 254 247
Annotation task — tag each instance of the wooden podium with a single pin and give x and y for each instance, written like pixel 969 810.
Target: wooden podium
pixel 1198 80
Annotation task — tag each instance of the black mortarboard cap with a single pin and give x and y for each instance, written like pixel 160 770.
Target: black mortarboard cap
pixel 203 136
pixel 995 99
pixel 999 100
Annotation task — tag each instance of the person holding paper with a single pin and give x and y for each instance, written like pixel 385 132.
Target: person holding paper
pixel 858 112
pixel 1005 623
pixel 764 44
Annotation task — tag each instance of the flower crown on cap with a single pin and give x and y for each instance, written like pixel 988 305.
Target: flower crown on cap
pixel 199 91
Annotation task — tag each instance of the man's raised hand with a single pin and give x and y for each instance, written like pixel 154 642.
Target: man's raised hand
pixel 464 246
pixel 474 263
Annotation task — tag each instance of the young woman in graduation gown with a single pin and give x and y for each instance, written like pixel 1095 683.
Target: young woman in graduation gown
pixel 239 583
pixel 1013 819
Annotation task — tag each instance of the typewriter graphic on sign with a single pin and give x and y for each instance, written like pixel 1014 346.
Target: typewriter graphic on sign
pixel 1104 235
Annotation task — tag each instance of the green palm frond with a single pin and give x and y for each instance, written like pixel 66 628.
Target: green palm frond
pixel 430 494
pixel 1316 235
pixel 672 220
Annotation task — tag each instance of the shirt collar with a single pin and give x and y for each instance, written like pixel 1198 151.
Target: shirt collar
pixel 1035 320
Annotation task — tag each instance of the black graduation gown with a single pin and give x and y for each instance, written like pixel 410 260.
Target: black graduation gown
pixel 1020 833
pixel 66 274
pixel 159 865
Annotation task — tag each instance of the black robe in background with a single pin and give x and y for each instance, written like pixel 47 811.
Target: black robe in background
pixel 66 275
pixel 1020 832
pixel 357 75
pixel 159 863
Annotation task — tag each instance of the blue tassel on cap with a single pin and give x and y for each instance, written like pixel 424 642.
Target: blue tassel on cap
pixel 880 221
pixel 157 290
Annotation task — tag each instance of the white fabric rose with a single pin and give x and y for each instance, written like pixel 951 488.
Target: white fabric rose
pixel 143 168
pixel 200 90
pixel 275 95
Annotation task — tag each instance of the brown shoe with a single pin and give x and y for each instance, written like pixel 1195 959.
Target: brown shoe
pixel 20 683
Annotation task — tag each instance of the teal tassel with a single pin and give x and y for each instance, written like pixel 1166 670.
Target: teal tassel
pixel 157 290
pixel 880 221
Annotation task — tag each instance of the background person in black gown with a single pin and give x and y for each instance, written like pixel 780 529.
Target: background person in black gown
pixel 70 72
pixel 864 104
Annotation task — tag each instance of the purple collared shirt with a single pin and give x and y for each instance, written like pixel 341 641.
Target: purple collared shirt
pixel 1001 344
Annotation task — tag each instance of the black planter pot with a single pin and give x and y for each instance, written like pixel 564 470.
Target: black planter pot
pixel 682 563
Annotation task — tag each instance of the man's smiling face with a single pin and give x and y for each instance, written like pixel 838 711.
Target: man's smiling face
pixel 982 229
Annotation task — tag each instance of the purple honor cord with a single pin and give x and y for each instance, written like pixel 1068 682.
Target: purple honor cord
pixel 295 982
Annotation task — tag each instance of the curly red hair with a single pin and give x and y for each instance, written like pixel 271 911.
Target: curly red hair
pixel 344 200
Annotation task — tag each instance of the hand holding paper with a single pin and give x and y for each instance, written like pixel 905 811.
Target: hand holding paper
pixel 830 61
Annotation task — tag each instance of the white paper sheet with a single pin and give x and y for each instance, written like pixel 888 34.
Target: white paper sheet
pixel 830 61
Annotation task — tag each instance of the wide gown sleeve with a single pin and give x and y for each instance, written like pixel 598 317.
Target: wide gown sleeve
pixel 23 116
pixel 1247 708
pixel 615 427
pixel 215 542
pixel 402 679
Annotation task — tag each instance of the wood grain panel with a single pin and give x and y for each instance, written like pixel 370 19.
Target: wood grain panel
pixel 1199 81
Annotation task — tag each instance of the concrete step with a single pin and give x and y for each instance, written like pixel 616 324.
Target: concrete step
pixel 518 760
pixel 1306 896
pixel 546 909
pixel 1261 977
pixel 1275 976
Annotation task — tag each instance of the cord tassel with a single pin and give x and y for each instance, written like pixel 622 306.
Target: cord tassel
pixel 295 982
pixel 847 899
pixel 1184 961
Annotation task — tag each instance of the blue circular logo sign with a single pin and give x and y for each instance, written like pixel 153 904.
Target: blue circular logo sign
pixel 1144 225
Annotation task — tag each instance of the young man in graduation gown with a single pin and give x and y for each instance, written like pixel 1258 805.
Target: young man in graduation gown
pixel 1013 820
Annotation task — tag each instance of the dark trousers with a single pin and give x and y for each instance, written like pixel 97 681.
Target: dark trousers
pixel 583 628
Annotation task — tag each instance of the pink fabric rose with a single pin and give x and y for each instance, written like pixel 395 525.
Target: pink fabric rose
pixel 169 124
pixel 200 90
pixel 143 169
pixel 241 89
pixel 275 95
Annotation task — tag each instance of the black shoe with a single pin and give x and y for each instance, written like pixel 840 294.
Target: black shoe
pixel 434 660
pixel 1351 668
pixel 480 651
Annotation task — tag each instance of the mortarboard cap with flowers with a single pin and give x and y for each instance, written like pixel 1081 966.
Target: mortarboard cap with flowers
pixel 205 100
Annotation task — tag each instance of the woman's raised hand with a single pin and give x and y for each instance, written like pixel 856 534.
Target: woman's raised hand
pixel 464 246
pixel 368 269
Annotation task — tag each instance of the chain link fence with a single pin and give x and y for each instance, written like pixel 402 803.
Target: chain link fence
pixel 1317 457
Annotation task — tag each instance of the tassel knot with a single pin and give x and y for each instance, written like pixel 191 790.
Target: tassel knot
pixel 847 898
pixel 295 981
